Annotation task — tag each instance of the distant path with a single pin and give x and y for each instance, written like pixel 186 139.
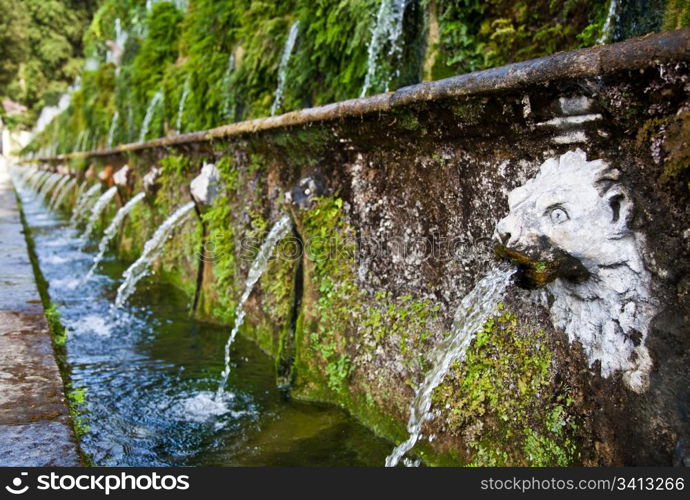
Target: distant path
pixel 35 427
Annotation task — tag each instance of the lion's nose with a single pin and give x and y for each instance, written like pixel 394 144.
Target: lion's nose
pixel 503 232
pixel 502 237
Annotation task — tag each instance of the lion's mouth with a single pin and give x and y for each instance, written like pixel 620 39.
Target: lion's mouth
pixel 536 273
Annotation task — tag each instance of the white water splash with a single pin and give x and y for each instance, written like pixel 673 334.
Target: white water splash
pixel 609 24
pixel 279 230
pixel 82 202
pixel 155 101
pixel 282 69
pixel 113 128
pixel 203 406
pixel 152 250
pixel 98 208
pixel 180 108
pixel 92 324
pixel 388 29
pixel 470 316
pixel 111 231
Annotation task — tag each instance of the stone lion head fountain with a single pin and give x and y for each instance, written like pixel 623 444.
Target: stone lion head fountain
pixel 567 229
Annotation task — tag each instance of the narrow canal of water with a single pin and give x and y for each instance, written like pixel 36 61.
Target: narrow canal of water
pixel 148 372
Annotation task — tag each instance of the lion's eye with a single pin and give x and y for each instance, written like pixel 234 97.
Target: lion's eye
pixel 558 215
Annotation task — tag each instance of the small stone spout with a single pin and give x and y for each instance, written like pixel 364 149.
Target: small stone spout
pixel 204 187
pixel 532 273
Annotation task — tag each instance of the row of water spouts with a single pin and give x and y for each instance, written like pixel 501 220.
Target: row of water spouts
pixel 204 188
pixel 470 316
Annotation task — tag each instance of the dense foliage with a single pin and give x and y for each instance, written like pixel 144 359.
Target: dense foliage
pixel 217 61
pixel 41 50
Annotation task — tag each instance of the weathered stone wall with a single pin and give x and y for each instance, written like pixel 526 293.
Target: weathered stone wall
pixel 408 195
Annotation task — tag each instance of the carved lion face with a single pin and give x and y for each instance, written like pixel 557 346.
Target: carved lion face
pixel 572 206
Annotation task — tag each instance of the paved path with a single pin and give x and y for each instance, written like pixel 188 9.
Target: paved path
pixel 35 428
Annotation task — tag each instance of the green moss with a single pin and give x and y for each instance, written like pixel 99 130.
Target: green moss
pixel 478 34
pixel 677 14
pixel 56 329
pixel 502 401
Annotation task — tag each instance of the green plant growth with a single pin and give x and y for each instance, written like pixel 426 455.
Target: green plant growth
pixel 478 34
pixel 503 402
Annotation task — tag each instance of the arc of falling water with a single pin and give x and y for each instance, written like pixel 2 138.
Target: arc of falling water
pixel 111 231
pixel 82 202
pixel 57 203
pixel 609 23
pixel 282 69
pixel 388 27
pixel 279 230
pixel 155 101
pixel 180 108
pixel 58 189
pixel 48 186
pixel 42 181
pixel 98 208
pixel 470 316
pixel 113 128
pixel 152 250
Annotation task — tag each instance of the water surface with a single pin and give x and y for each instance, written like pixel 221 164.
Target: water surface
pixel 149 373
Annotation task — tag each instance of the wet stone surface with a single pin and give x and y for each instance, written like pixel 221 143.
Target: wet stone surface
pixel 35 429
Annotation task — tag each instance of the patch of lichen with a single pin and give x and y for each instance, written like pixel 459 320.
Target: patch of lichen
pixel 670 137
pixel 677 148
pixel 502 401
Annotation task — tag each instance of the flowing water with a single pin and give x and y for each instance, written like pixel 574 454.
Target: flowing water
pixel 142 368
pixel 50 184
pixel 111 231
pixel 388 29
pixel 57 202
pixel 57 189
pixel 282 69
pixel 113 128
pixel 155 101
pixel 609 24
pixel 152 250
pixel 98 208
pixel 228 112
pixel 180 108
pixel 83 201
pixel 43 182
pixel 474 310
pixel 258 267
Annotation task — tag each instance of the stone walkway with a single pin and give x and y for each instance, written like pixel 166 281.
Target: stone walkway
pixel 35 427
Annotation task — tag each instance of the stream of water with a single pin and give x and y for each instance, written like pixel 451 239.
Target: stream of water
pixel 282 69
pixel 111 231
pixel 387 30
pixel 148 117
pixel 142 367
pixel 470 316
pixel 258 267
pixel 98 209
